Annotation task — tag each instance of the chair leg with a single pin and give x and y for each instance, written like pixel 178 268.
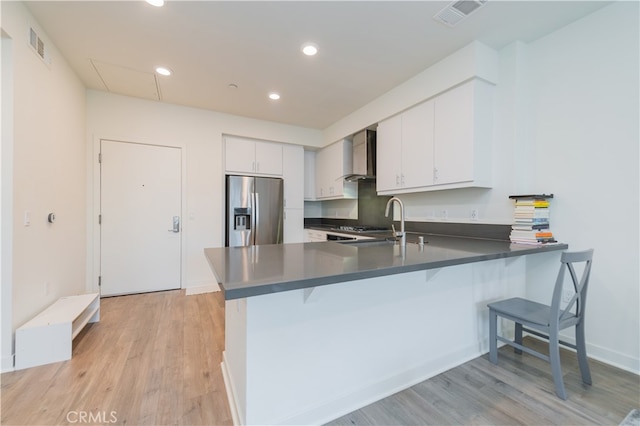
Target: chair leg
pixel 556 369
pixel 493 336
pixel 518 338
pixel 582 354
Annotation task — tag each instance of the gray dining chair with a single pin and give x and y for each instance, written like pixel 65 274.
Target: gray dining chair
pixel 546 321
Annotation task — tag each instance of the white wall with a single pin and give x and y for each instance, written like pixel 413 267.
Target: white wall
pixel 566 122
pixel 47 145
pixel 585 127
pixel 199 133
pixel 6 199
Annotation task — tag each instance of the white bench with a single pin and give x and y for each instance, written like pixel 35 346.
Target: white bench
pixel 48 337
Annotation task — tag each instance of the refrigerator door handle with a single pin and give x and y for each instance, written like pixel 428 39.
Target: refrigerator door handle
pixel 256 216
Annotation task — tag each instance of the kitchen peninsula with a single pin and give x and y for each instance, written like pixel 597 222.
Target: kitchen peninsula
pixel 316 330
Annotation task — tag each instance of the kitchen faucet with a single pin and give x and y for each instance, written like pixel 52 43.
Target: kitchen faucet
pixel 401 234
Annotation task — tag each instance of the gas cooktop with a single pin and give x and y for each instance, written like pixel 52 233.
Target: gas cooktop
pixel 361 228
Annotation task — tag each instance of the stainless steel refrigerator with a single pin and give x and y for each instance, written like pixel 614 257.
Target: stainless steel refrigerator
pixel 254 211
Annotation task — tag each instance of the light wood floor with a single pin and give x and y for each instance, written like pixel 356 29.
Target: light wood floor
pixel 154 359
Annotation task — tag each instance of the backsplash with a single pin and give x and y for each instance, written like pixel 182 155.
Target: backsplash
pixel 368 209
pixel 371 206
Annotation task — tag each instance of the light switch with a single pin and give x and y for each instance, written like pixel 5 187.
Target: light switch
pixel 27 218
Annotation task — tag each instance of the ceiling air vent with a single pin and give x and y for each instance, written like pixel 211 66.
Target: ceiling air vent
pixel 457 11
pixel 38 46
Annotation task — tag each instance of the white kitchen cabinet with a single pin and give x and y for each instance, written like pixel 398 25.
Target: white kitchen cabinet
pixel 389 154
pixel 293 174
pixel 313 235
pixel 332 164
pixel 309 175
pixel 463 133
pixel 443 143
pixel 294 231
pixel 405 150
pixel 250 156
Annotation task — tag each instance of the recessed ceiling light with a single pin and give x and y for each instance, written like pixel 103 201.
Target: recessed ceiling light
pixel 163 71
pixel 274 96
pixel 156 3
pixel 309 49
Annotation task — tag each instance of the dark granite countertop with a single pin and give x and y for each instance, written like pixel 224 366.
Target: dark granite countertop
pixel 256 270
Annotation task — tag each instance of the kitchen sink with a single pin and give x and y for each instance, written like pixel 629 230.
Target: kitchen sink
pixel 368 243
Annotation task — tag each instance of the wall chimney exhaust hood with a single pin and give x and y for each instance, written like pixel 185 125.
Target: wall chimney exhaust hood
pixel 364 156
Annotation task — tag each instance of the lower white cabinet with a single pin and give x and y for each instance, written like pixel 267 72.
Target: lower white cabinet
pixel 313 235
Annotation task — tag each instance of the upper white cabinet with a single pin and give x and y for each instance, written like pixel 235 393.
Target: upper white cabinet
pixel 405 150
pixel 253 157
pixel 309 175
pixel 463 135
pixel 443 143
pixel 332 164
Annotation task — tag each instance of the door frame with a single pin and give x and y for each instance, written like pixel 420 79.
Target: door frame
pixel 93 226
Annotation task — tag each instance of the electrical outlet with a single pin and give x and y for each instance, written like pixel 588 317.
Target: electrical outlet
pixel 474 214
pixel 444 214
pixel 567 294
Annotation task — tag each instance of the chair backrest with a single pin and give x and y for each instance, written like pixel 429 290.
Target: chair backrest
pixel 579 299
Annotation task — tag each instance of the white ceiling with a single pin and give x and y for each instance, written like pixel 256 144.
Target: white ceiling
pixel 366 48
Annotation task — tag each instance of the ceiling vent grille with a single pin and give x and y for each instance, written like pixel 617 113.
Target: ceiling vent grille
pixel 457 11
pixel 38 46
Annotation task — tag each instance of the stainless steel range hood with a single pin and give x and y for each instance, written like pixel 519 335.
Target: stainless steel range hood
pixel 364 156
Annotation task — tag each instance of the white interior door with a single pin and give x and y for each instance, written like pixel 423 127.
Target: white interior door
pixel 140 206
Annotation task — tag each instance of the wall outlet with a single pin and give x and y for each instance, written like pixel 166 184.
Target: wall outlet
pixel 444 214
pixel 474 214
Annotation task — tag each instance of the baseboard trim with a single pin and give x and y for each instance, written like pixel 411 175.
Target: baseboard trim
pixel 7 364
pixel 369 393
pixel 228 386
pixel 207 288
pixel 604 355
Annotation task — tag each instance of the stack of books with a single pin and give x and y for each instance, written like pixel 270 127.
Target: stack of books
pixel 531 220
